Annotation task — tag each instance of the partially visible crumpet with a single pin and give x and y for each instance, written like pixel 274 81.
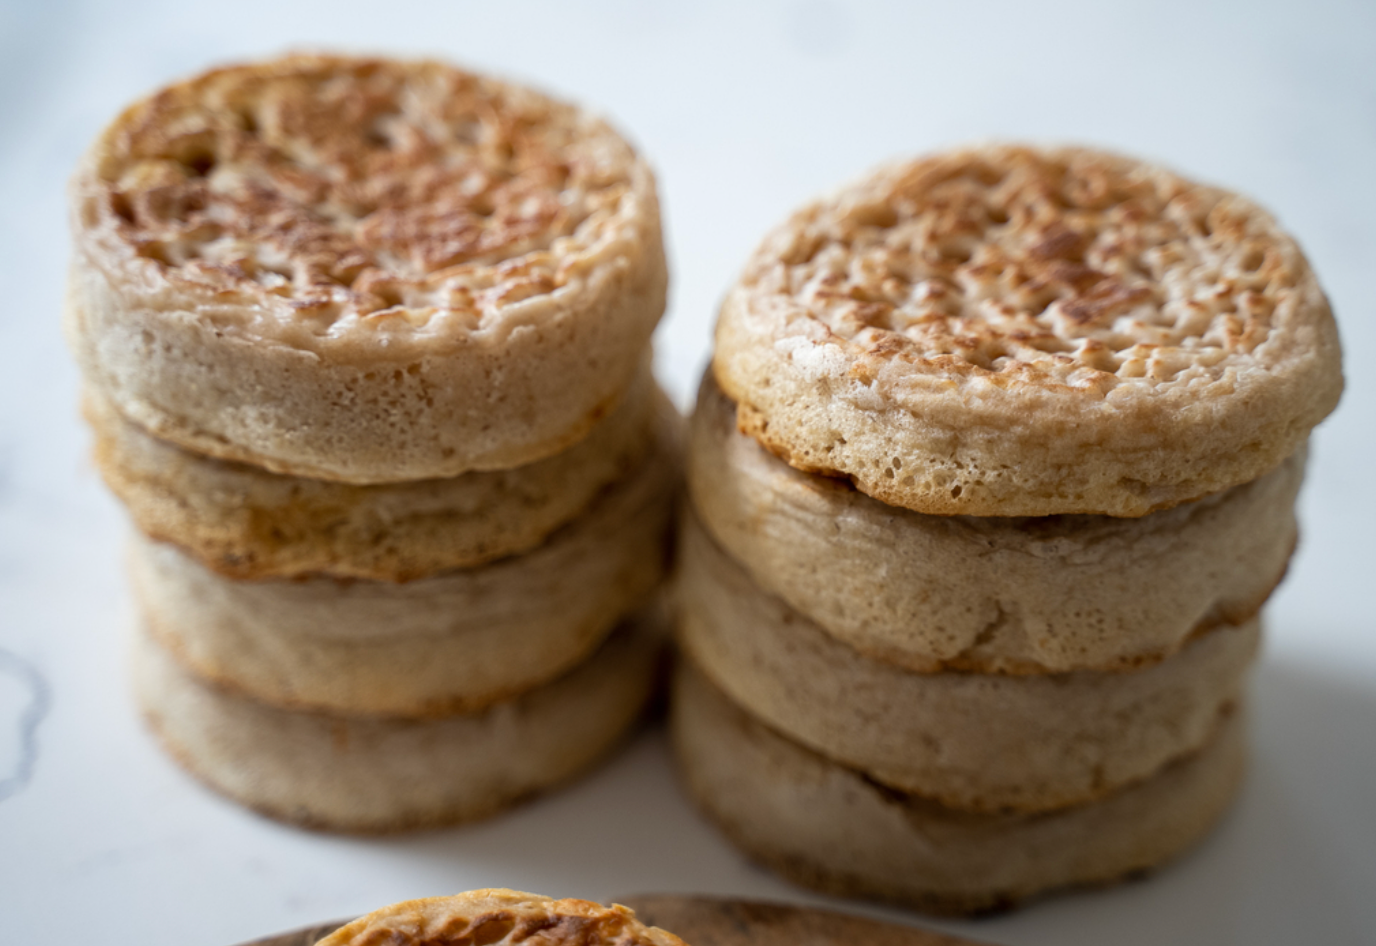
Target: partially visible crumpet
pixel 500 918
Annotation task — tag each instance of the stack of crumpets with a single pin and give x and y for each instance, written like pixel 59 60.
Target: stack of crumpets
pixel 365 347
pixel 994 468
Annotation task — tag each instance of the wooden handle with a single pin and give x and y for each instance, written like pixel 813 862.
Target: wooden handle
pixel 712 921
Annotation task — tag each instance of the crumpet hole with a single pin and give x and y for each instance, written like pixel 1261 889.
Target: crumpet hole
pixel 199 163
pixel 120 206
pixel 492 931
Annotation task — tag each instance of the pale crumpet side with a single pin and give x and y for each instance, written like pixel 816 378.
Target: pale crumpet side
pixel 830 828
pixel 1001 594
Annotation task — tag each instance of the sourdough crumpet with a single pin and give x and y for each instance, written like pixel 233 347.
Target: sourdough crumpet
pixel 991 595
pixel 244 522
pixel 976 742
pixel 362 270
pixel 365 775
pixel 1007 331
pixel 830 828
pixel 500 918
pixel 456 641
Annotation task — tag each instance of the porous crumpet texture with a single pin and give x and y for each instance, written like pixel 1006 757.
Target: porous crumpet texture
pixel 361 269
pixel 499 917
pixel 1007 331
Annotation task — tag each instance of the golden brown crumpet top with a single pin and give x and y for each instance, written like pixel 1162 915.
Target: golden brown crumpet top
pixel 436 270
pixel 1011 331
pixel 500 918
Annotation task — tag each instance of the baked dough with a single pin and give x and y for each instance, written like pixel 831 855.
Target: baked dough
pixel 499 918
pixel 361 269
pixel 976 742
pixel 243 522
pixel 992 595
pixel 456 641
pixel 827 827
pixel 1008 331
pixel 378 775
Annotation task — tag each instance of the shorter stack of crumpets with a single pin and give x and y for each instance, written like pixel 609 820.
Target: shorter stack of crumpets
pixel 365 347
pixel 994 468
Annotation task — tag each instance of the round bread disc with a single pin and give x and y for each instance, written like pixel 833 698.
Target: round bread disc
pixel 244 522
pixel 1011 331
pixel 374 775
pixel 362 270
pixel 455 641
pixel 977 742
pixel 1017 595
pixel 828 827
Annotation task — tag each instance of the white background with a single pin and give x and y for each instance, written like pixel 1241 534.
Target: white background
pixel 745 111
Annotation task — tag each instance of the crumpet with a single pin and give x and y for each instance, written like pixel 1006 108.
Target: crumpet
pixel 498 917
pixel 830 828
pixel 367 775
pixel 362 270
pixel 1016 595
pixel 1009 331
pixel 970 741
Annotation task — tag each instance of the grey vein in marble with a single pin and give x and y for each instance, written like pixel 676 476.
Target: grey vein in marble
pixel 25 698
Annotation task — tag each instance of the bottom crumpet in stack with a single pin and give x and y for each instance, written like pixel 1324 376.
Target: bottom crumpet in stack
pixel 372 774
pixel 830 827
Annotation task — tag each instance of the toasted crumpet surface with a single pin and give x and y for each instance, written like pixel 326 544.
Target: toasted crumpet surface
pixel 498 917
pixel 1011 331
pixel 362 269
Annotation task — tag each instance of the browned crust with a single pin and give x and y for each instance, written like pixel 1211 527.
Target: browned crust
pixel 326 187
pixel 1014 264
pixel 362 270
pixel 1011 331
pixel 500 917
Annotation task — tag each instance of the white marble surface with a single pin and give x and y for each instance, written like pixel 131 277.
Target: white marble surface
pixel 746 111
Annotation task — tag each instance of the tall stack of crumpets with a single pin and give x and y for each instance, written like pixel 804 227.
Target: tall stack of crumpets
pixel 365 347
pixel 994 468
